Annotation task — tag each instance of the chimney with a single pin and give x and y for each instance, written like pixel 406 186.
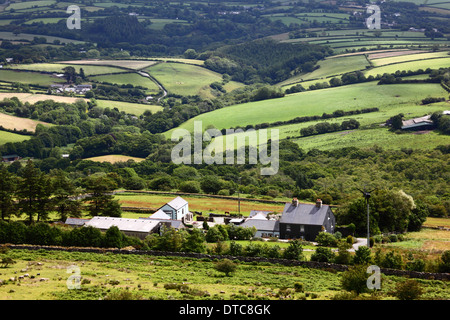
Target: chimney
pixel 319 203
pixel 295 202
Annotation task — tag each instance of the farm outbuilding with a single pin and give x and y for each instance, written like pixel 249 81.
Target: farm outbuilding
pixel 265 228
pixel 139 228
pixel 305 221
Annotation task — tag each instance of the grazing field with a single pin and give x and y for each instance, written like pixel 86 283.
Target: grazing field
pixel 11 122
pixel 5 35
pixel 128 64
pixel 114 158
pixel 108 276
pixel 410 57
pixel 128 78
pixel 196 203
pixel 331 67
pixel 128 107
pixel 352 97
pixel 11 137
pixel 411 65
pixel 89 70
pixel 24 77
pixel 184 79
pixel 30 4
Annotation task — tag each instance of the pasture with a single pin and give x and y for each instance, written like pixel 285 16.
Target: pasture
pixel 11 137
pixel 33 98
pixel 128 78
pixel 435 63
pixel 127 64
pixel 108 275
pixel 196 203
pixel 88 69
pixel 351 97
pixel 406 58
pixel 185 79
pixel 31 78
pixel 128 107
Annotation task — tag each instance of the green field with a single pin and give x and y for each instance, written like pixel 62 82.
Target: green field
pixel 89 70
pixel 128 78
pixel 146 277
pixel 411 65
pixel 11 137
pixel 358 96
pixel 185 79
pixel 331 67
pixel 28 77
pixel 128 107
pixel 30 4
pixel 410 57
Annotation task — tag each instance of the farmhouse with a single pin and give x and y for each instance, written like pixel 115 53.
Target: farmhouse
pixel 422 123
pixel 139 228
pixel 177 209
pixel 300 220
pixel 162 217
pixel 10 158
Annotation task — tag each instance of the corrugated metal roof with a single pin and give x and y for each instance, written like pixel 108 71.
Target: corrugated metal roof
pixel 308 214
pixel 133 225
pixel 76 221
pixel 177 203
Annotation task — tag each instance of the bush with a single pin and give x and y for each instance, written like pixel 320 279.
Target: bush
pixel 444 266
pixel 362 256
pixel 323 255
pixel 408 290
pixel 326 239
pixel 190 187
pixel 355 279
pixel 226 266
pixel 294 251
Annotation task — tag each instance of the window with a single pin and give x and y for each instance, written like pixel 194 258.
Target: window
pixel 302 228
pixel 288 228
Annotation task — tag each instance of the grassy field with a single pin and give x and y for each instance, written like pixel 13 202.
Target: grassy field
pixel 410 65
pixel 352 97
pixel 104 275
pixel 196 203
pixel 88 69
pixel 11 137
pixel 114 158
pixel 35 78
pixel 128 78
pixel 185 79
pixel 12 122
pixel 30 4
pixel 128 64
pixel 410 57
pixel 128 107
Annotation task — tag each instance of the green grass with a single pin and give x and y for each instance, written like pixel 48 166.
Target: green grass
pixel 358 96
pixel 184 79
pixel 410 57
pixel 411 65
pixel 128 107
pixel 332 66
pixel 128 78
pixel 29 4
pixel 11 137
pixel 28 77
pixel 57 67
pixel 146 277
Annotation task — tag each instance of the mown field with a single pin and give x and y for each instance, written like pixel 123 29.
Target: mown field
pixel 114 158
pixel 88 69
pixel 128 107
pixel 11 137
pixel 185 79
pixel 11 122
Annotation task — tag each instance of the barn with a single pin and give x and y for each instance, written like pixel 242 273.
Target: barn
pixel 139 228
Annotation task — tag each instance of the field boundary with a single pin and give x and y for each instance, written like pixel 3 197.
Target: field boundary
pixel 286 262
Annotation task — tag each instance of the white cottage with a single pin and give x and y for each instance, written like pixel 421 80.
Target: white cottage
pixel 177 209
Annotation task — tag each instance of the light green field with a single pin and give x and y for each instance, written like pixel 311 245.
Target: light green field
pixel 28 77
pixel 184 79
pixel 11 137
pixel 128 64
pixel 411 65
pixel 30 4
pixel 410 57
pixel 128 107
pixel 57 67
pixel 332 66
pixel 128 78
pixel 358 96
pixel 4 35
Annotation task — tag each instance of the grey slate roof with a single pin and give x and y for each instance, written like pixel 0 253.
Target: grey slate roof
pixel 177 203
pixel 76 221
pixel 307 214
pixel 262 225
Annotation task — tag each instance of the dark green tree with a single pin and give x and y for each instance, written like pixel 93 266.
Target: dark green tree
pixel 101 200
pixel 7 189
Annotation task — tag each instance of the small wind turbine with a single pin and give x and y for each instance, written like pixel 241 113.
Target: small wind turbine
pixel 366 195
